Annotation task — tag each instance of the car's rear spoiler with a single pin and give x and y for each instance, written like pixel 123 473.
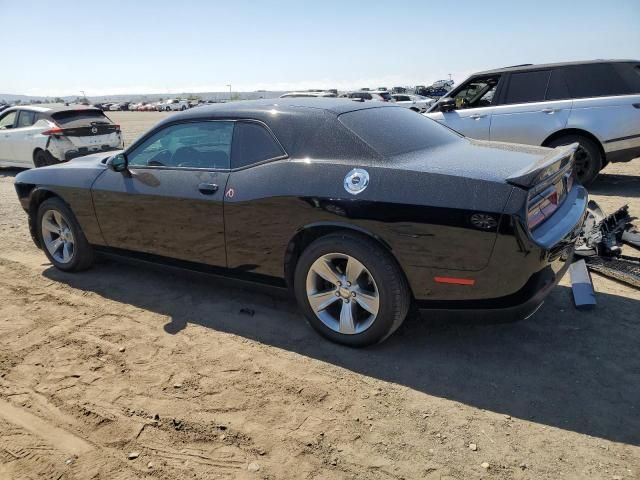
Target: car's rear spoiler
pixel 558 161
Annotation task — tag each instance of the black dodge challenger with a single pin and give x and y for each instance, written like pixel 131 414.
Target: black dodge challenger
pixel 360 209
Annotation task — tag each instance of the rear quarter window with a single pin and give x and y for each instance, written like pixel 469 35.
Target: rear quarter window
pixel 396 130
pixel 630 74
pixel 253 143
pixel 594 80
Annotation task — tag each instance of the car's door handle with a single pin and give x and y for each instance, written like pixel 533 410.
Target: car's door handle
pixel 208 188
pixel 549 110
pixel 476 116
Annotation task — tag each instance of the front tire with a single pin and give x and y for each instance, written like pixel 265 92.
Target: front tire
pixel 61 237
pixel 588 157
pixel 351 290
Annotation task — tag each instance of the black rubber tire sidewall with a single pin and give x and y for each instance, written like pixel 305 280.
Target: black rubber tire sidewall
pixel 40 159
pixel 83 256
pixel 395 298
pixel 591 147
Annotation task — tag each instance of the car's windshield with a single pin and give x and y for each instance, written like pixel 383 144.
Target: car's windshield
pixel 393 131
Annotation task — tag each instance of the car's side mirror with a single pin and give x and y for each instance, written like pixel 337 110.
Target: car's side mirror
pixel 118 163
pixel 447 104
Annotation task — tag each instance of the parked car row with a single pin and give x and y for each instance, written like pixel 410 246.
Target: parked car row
pixel 171 105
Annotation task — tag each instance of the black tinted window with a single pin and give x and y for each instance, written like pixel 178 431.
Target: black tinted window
pixel 557 88
pixel 527 87
pixel 79 118
pixel 594 80
pixel 26 119
pixel 393 131
pixel 252 143
pixel 186 145
pixel 630 73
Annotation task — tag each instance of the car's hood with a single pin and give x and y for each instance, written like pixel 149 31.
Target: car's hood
pixel 79 172
pixel 521 165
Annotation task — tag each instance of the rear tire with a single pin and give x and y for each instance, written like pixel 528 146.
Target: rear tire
pixel 43 159
pixel 61 237
pixel 339 313
pixel 589 159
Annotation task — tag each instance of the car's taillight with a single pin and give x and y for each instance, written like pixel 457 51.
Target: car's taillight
pixel 542 206
pixel 54 131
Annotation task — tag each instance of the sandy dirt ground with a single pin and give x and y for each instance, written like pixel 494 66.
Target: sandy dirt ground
pixel 123 372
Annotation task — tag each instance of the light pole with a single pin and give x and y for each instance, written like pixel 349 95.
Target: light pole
pixel 230 97
pixel 84 96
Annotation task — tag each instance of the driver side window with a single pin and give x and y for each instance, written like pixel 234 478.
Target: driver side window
pixel 205 144
pixel 477 93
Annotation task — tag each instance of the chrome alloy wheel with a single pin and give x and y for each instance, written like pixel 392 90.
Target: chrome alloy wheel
pixel 57 236
pixel 342 293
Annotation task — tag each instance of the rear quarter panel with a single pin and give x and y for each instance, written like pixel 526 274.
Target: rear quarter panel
pixel 424 218
pixel 608 118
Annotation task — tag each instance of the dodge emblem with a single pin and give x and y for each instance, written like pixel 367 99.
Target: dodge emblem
pixel 356 181
pixel 94 130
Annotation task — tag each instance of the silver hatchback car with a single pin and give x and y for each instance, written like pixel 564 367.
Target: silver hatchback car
pixel 596 104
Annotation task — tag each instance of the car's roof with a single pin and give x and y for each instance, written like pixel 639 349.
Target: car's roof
pixel 533 66
pixel 265 107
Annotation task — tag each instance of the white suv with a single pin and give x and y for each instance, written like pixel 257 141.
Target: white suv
pixel 596 104
pixel 173 105
pixel 40 136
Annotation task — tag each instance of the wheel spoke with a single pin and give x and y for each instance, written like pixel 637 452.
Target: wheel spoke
pixel 49 226
pixel 324 269
pixel 321 300
pixel 66 252
pixel 58 218
pixel 347 325
pixel 354 270
pixel 368 300
pixel 54 245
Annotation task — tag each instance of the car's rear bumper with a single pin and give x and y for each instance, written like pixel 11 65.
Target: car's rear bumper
pixel 518 305
pixel 82 151
pixel 541 261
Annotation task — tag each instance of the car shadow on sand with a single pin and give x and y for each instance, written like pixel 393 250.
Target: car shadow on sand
pixel 613 185
pixel 577 371
pixel 10 172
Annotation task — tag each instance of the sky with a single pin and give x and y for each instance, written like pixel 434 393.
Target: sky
pixel 128 47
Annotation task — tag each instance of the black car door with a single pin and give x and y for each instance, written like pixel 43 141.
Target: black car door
pixel 170 201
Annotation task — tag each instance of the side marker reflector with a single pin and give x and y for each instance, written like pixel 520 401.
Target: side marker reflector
pixel 455 280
